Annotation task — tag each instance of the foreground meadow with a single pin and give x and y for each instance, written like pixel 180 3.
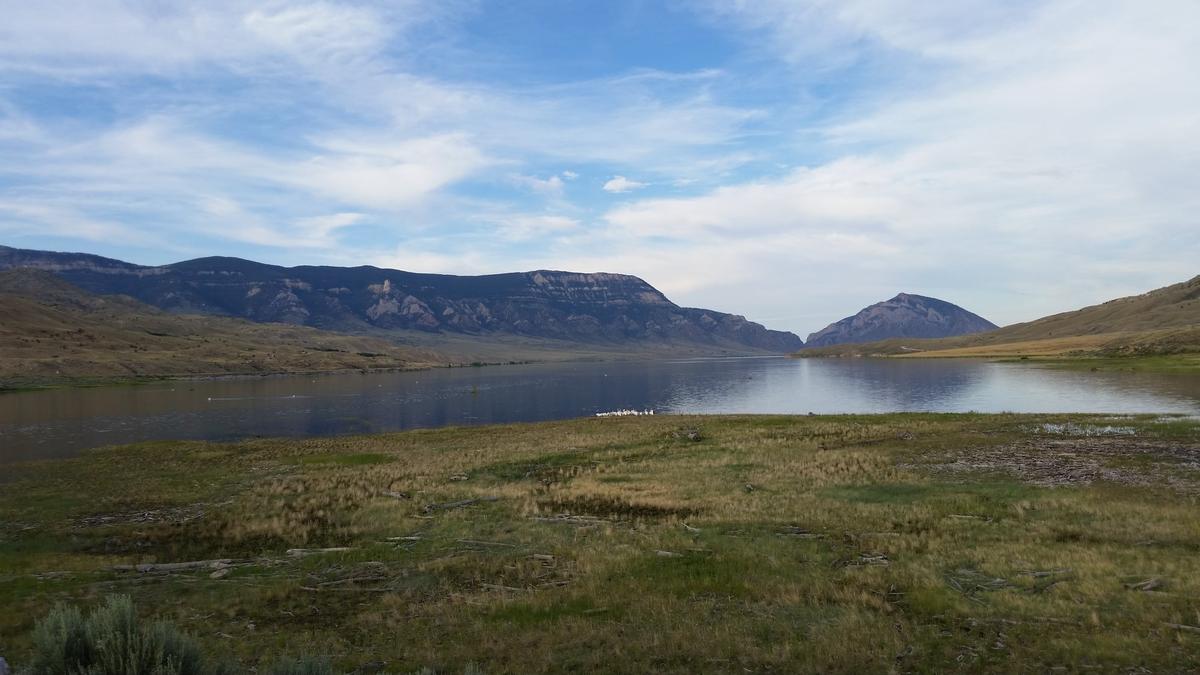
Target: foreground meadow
pixel 898 543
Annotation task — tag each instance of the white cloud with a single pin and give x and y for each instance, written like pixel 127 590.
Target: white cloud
pixel 1048 169
pixel 414 258
pixel 322 230
pixel 109 36
pixel 164 158
pixel 552 186
pixel 618 184
pixel 537 226
pixel 20 217
pixel 386 174
pixel 1044 150
pixel 341 34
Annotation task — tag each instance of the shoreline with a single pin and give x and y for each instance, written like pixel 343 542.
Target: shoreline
pixel 765 543
pixel 90 382
pixel 1184 362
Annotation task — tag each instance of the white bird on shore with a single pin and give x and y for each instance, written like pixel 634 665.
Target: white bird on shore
pixel 624 413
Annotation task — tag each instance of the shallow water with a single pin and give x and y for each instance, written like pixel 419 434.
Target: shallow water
pixel 61 423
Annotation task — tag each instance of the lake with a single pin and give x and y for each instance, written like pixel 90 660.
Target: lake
pixel 61 423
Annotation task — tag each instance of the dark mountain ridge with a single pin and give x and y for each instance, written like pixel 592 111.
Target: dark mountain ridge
pixel 54 332
pixel 590 308
pixel 1162 321
pixel 904 316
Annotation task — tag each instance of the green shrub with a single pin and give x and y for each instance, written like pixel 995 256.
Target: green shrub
pixel 109 641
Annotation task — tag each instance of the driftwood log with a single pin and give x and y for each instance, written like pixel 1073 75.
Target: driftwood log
pixel 149 568
pixel 300 552
pixel 446 506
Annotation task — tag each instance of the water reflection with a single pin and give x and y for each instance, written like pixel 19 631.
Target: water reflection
pixel 63 422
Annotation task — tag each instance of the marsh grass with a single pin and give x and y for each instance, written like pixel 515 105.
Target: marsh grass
pixel 760 544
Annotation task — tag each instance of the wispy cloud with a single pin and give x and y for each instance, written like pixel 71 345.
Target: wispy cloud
pixel 1040 149
pixel 619 184
pixel 1014 172
pixel 552 186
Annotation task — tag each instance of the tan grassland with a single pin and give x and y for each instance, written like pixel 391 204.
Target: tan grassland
pixel 896 543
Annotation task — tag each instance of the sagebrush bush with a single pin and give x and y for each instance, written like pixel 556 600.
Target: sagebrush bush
pixel 110 641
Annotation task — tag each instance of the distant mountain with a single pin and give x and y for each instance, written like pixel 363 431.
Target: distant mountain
pixel 585 308
pixel 1162 321
pixel 53 331
pixel 907 316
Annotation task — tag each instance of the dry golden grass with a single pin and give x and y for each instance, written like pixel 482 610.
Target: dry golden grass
pixel 770 544
pixel 1046 347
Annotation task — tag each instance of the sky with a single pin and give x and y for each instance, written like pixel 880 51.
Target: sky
pixel 788 160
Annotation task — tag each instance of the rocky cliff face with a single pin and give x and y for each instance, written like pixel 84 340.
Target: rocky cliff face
pixel 910 316
pixel 544 303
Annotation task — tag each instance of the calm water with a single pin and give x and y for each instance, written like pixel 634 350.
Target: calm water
pixel 62 423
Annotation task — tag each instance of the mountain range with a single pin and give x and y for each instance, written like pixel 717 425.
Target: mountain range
pixel 73 314
pixel 54 331
pixel 904 316
pixel 613 309
pixel 1162 321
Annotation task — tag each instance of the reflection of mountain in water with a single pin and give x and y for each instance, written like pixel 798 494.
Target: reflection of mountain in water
pixel 63 422
pixel 898 385
pixel 826 386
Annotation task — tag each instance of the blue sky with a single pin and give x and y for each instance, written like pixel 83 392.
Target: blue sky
pixel 790 160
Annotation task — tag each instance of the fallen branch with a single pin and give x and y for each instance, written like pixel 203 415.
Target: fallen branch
pixel 1046 573
pixel 1147 585
pixel 1183 627
pixel 799 533
pixel 498 587
pixel 573 520
pixel 301 552
pixel 350 580
pixel 446 506
pixel 147 568
pixel 476 542
pixel 346 590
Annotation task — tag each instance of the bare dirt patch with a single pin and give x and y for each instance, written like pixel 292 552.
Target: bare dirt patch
pixel 176 515
pixel 608 507
pixel 1055 462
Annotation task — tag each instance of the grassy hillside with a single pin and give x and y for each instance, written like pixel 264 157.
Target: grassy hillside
pixel 54 332
pixel 1161 322
pixel 843 544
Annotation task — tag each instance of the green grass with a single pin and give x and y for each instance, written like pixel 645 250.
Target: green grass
pixel 1161 363
pixel 360 459
pixel 772 544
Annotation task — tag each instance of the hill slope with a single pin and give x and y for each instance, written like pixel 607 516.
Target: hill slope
pixel 1162 321
pixel 55 331
pixel 583 308
pixel 904 316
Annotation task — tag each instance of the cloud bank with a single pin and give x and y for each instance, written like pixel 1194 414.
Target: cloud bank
pixel 794 161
